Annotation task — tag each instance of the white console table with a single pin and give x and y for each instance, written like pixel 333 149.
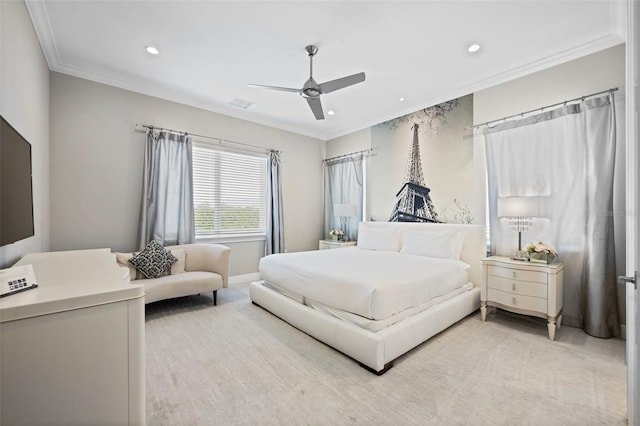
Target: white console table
pixel 72 349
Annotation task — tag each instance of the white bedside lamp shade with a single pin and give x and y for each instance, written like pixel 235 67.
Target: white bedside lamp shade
pixel 519 207
pixel 520 211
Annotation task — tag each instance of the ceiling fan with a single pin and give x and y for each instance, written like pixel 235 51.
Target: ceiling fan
pixel 312 90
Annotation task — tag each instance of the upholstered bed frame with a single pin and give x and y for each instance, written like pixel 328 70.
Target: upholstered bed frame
pixel 376 351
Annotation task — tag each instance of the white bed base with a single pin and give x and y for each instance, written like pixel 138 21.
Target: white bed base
pixel 376 351
pixel 373 350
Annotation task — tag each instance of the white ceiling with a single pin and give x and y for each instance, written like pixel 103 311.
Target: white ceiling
pixel 210 50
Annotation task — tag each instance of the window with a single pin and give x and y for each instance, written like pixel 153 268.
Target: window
pixel 229 192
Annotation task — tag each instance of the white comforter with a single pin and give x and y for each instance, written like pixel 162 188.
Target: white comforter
pixel 373 284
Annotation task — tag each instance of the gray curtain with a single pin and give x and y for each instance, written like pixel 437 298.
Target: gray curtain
pixel 344 184
pixel 275 221
pixel 166 213
pixel 567 156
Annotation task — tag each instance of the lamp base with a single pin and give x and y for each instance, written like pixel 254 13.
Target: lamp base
pixel 522 259
pixel 521 256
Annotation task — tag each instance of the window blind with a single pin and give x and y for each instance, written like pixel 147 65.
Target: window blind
pixel 229 192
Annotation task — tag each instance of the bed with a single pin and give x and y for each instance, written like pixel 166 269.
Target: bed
pixel 402 284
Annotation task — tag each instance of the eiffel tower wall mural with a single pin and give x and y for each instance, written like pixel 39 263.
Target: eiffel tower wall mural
pixel 422 170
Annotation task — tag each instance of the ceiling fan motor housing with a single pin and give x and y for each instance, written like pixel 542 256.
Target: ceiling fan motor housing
pixel 312 90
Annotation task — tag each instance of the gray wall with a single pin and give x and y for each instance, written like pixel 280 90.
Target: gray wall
pixel 97 157
pixel 24 103
pixel 592 73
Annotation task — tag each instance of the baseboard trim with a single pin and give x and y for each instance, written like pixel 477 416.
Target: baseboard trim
pixel 236 280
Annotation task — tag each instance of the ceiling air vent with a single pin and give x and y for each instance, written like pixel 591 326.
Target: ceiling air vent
pixel 241 103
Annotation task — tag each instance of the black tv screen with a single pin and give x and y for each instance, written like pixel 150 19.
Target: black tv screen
pixel 16 193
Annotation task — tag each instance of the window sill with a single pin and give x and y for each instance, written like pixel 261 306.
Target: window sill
pixel 231 238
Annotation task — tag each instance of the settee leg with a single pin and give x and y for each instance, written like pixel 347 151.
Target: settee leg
pixel 215 297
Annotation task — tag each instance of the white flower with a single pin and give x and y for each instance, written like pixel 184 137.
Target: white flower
pixel 541 247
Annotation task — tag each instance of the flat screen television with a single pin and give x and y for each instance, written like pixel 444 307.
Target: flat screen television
pixel 16 191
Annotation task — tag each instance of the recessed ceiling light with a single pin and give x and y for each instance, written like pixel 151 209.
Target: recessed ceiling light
pixel 152 50
pixel 331 112
pixel 401 99
pixel 473 48
pixel 241 103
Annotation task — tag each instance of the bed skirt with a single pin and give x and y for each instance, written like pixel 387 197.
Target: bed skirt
pixel 373 350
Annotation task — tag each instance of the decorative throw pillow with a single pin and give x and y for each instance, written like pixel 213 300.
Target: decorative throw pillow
pixel 153 261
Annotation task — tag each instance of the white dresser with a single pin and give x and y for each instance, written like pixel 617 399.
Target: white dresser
pixel 72 349
pixel 523 287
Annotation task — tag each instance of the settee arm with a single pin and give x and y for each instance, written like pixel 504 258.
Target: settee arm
pixel 207 257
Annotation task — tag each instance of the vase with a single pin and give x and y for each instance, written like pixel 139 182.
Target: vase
pixel 541 257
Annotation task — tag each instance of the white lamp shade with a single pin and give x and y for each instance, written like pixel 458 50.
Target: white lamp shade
pixel 345 210
pixel 520 207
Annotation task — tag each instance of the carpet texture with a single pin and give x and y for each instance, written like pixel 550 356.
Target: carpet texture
pixel 236 364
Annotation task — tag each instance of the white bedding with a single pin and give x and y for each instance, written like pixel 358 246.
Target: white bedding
pixel 377 325
pixel 373 284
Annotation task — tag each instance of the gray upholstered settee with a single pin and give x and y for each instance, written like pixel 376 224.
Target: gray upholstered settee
pixel 200 268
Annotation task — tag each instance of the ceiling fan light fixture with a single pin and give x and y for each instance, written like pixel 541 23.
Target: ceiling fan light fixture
pixel 311 90
pixel 152 50
pixel 474 47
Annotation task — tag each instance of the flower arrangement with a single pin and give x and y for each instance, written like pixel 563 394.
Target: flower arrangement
pixel 541 252
pixel 337 234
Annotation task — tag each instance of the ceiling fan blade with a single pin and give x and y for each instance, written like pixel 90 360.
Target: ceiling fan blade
pixel 333 85
pixel 316 107
pixel 282 89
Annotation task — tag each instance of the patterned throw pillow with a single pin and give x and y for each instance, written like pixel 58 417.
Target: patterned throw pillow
pixel 153 261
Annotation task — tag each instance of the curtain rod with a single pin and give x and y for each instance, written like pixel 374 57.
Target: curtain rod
pixel 151 127
pixel 364 152
pixel 579 98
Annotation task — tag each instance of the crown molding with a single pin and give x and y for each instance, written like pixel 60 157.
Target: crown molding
pixel 42 25
pixel 585 49
pixel 39 15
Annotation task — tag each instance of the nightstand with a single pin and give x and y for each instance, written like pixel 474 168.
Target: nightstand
pixel 524 288
pixel 330 244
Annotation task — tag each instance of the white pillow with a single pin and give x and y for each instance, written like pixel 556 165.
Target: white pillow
pixel 370 238
pixel 444 244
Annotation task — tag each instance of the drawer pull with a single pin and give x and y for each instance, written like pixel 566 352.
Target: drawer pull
pixel 514 274
pixel 513 286
pixel 514 300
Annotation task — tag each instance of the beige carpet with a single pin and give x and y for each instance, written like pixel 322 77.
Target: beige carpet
pixel 237 364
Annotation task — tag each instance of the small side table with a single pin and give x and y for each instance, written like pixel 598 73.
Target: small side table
pixel 330 244
pixel 522 287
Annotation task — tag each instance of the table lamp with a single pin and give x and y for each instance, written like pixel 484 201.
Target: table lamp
pixel 345 211
pixel 519 211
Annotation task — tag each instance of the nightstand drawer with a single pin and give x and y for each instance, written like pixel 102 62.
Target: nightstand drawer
pixel 518 274
pixel 525 288
pixel 528 303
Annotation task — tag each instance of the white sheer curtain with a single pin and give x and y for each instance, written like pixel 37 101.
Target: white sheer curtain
pixel 344 184
pixel 166 213
pixel 567 156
